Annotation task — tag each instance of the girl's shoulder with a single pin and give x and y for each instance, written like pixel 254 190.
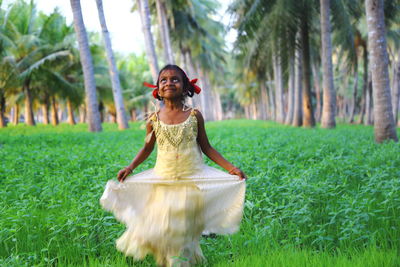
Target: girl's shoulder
pixel 152 118
pixel 196 113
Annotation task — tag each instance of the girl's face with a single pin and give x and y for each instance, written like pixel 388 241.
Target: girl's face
pixel 170 84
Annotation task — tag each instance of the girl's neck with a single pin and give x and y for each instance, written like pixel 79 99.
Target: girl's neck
pixel 173 104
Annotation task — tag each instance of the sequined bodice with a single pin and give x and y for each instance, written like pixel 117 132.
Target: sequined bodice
pixel 178 153
pixel 176 136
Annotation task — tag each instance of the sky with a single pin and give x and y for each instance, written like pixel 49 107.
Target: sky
pixel 123 25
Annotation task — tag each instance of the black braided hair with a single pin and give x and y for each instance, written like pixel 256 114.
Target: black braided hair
pixel 186 83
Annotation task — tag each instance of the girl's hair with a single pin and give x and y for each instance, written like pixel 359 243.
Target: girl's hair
pixel 186 83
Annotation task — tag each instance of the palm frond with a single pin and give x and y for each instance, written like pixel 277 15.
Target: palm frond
pixel 40 62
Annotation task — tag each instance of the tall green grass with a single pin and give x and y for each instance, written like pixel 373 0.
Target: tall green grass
pixel 314 197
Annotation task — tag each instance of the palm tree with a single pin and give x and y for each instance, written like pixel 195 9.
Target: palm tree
pixel 277 63
pixel 329 95
pixel 308 114
pixel 396 89
pixel 116 86
pixel 199 38
pixel 26 49
pixel 50 81
pixel 22 48
pixel 291 90
pixel 60 81
pixel 384 125
pixel 7 72
pixel 144 12
pixel 298 92
pixel 264 26
pixel 134 68
pixel 8 80
pixel 164 30
pixel 87 65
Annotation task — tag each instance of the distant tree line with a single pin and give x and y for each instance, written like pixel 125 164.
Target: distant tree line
pixel 295 62
pixel 41 77
pixel 312 61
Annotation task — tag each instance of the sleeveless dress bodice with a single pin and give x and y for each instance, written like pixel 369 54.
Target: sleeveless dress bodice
pixel 178 153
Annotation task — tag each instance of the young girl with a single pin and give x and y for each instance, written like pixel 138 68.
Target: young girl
pixel 166 209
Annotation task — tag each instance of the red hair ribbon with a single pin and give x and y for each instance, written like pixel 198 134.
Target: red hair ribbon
pixel 149 85
pixel 155 91
pixel 197 89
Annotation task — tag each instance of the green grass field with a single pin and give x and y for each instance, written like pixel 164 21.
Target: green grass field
pixel 315 197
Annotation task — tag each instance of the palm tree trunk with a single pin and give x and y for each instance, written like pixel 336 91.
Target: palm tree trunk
pixel 362 105
pixel 185 61
pixel 317 82
pixel 396 90
pixel 113 116
pixel 193 72
pixel 366 78
pixel 210 96
pixel 164 29
pixel 253 109
pixel 29 119
pixel 218 106
pixel 271 99
pixel 329 95
pixel 133 114
pixel 206 104
pixel 280 116
pixel 384 126
pixel 144 11
pixel 45 109
pixel 87 65
pixel 308 115
pixel 112 68
pixel 82 114
pixel 70 111
pixel 369 101
pixel 102 111
pixel 355 88
pixel 205 96
pixel 54 112
pixel 263 100
pixel 260 108
pixel 16 114
pixel 340 107
pixel 298 98
pixel 2 109
pixel 247 112
pixel 291 89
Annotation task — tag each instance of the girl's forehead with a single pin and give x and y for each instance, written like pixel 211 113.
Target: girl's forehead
pixel 170 72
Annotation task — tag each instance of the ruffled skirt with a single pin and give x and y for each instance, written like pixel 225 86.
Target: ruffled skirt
pixel 166 217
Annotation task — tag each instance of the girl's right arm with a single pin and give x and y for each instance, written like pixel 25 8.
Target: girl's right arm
pixel 142 155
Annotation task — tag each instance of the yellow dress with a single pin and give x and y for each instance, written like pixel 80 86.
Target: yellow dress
pixel 166 209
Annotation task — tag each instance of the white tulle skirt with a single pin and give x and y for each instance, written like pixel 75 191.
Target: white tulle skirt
pixel 166 217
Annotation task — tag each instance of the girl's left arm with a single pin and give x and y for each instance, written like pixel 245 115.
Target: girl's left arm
pixel 210 152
